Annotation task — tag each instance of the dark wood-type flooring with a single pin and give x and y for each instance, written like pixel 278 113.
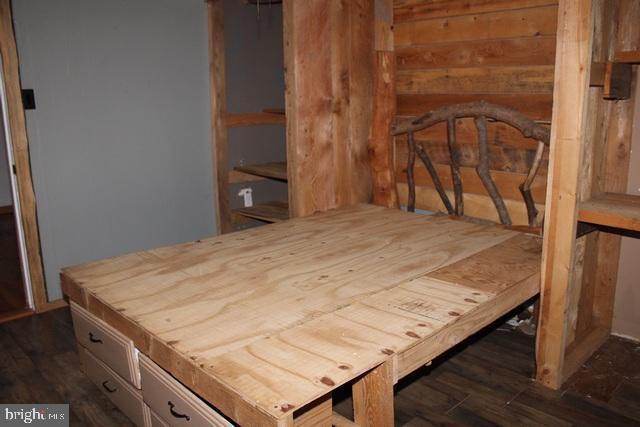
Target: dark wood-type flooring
pixel 484 382
pixel 12 296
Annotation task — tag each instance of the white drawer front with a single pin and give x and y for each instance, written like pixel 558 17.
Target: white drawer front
pixel 173 402
pixel 121 393
pixel 107 344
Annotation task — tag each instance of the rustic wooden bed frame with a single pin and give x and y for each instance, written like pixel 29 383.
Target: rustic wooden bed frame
pixel 482 112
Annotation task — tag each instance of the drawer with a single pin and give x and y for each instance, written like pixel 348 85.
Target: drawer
pixel 156 421
pixel 107 344
pixel 172 401
pixel 122 394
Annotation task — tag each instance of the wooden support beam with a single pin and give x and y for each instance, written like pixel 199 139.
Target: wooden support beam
pixel 218 94
pixel 373 397
pixel 20 144
pixel 328 101
pixel 571 82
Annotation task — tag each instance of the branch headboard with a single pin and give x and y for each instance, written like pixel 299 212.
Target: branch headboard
pixel 482 112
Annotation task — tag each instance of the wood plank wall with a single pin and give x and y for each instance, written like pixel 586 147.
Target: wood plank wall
pixel 454 51
pixel 329 65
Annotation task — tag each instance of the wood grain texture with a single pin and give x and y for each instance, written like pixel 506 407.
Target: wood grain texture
pixel 508 182
pixel 218 95
pixel 414 10
pixel 489 50
pixel 326 299
pixel 275 211
pixel 475 205
pixel 611 171
pixel 612 210
pixel 534 106
pixel 329 98
pixel 573 59
pixel 318 413
pixel 527 79
pixel 510 151
pixel 273 170
pixel 381 141
pixel 537 21
pixel 20 145
pixel 373 397
pixel 525 51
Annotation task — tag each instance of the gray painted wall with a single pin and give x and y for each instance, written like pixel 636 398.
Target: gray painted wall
pixel 6 199
pixel 120 139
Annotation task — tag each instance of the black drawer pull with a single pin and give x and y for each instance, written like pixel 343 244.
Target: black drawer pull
pixel 177 414
pixel 110 390
pixel 94 339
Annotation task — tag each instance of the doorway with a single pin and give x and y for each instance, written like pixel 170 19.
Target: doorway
pixel 15 296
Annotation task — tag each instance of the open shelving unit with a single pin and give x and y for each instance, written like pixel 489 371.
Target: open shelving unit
pixel 222 121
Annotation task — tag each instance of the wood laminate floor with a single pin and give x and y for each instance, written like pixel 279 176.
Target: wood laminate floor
pixel 484 382
pixel 12 296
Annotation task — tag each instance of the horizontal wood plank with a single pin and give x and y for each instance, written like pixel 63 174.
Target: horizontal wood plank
pixel 538 21
pixel 612 210
pixel 275 211
pixel 532 79
pixel 510 151
pixel 476 53
pixel 273 170
pixel 475 205
pixel 414 10
pixel 535 106
pixel 253 119
pixel 507 182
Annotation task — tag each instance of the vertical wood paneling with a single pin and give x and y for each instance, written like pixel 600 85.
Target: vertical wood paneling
pixel 328 74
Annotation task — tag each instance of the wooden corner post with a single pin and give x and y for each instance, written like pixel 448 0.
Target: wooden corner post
pixel 571 82
pixel 218 94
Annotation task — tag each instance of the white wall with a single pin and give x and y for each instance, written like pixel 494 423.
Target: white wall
pixel 120 139
pixel 5 183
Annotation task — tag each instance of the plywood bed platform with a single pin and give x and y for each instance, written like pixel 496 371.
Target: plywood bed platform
pixel 263 324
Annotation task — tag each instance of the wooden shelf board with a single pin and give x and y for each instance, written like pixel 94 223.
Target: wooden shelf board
pixel 628 57
pixel 252 119
pixel 270 211
pixel 612 210
pixel 273 170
